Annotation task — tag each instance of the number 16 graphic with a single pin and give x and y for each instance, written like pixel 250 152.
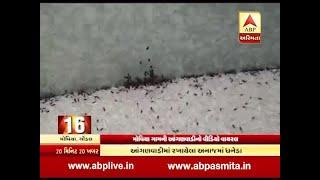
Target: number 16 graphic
pixel 74 124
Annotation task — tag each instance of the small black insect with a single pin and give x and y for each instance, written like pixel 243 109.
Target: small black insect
pixel 171 108
pixel 244 81
pixel 201 88
pixel 97 120
pixel 112 92
pixel 188 92
pixel 115 100
pixel 104 109
pixel 175 131
pixel 259 83
pixel 151 109
pixel 260 98
pixel 161 91
pixel 241 94
pixel 149 60
pixel 244 107
pixel 180 112
pixel 101 129
pixel 225 88
pixel 195 94
pixel 252 118
pixel 147 48
pixel 266 82
pixel 197 123
pixel 187 103
pixel 140 62
pixel 158 117
pixel 240 128
pixel 152 127
pixel 235 109
pixel 220 109
pixel 245 103
pixel 233 126
pixel 209 110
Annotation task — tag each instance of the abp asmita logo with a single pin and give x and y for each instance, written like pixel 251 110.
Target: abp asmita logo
pixel 250 27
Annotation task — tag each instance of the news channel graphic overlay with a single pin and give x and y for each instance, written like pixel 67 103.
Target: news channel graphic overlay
pixel 249 27
pixel 73 124
pixel 159 155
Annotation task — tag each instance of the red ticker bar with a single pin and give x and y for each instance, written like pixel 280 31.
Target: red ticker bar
pixel 190 139
pixel 159 167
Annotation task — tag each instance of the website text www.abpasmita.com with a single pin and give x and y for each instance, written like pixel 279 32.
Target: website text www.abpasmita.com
pixel 171 166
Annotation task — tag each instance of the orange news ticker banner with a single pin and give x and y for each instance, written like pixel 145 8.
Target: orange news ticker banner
pixel 160 156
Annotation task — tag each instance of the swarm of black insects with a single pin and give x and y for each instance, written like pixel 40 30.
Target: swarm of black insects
pixel 149 76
